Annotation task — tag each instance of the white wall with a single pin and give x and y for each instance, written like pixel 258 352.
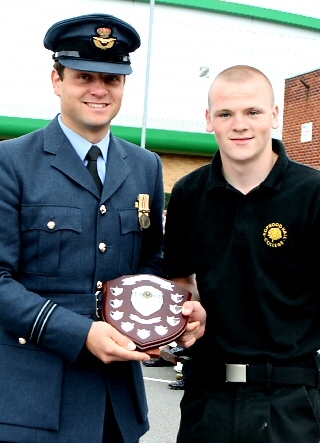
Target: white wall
pixel 25 86
pixel 184 40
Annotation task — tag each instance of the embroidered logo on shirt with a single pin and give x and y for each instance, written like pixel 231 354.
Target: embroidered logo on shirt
pixel 274 235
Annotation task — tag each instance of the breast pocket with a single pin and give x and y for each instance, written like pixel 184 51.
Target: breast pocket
pixel 51 239
pixel 130 242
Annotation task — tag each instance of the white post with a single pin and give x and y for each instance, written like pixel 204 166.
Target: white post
pixel 146 93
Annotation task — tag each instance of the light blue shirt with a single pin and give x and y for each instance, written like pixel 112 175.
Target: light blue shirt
pixel 82 146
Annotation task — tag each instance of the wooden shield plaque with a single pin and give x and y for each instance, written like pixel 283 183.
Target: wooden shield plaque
pixel 145 308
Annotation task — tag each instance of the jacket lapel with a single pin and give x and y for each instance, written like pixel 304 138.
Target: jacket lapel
pixel 65 158
pixel 117 168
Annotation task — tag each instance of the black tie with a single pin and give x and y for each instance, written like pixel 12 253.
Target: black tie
pixel 92 157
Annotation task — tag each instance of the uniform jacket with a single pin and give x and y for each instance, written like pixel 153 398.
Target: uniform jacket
pixel 59 241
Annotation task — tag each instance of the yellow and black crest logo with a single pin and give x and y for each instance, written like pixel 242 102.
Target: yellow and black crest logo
pixel 274 235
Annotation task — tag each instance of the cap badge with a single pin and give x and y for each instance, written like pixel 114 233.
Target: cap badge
pixel 104 41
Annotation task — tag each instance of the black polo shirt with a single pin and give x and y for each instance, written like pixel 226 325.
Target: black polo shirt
pixel 256 258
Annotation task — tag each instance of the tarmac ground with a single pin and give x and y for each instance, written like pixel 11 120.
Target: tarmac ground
pixel 164 405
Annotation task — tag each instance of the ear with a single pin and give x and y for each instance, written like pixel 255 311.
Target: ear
pixel 275 115
pixel 56 82
pixel 209 126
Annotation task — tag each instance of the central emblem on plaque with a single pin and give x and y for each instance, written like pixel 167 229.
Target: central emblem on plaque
pixel 146 308
pixel 147 300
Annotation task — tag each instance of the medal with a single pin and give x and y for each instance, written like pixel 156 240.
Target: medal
pixel 144 221
pixel 143 210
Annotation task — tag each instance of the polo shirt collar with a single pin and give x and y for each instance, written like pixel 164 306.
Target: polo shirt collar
pixel 273 180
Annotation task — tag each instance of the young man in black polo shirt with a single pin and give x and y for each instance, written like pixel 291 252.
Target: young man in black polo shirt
pixel 247 228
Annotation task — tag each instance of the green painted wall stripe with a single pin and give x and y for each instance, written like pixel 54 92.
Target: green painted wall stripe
pixel 161 141
pixel 11 127
pixel 249 11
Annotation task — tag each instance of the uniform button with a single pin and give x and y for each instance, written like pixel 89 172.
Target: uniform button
pixel 103 209
pixel 99 284
pixel 22 341
pixel 51 224
pixel 102 247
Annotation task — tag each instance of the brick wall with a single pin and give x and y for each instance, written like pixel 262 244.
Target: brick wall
pixel 302 105
pixel 176 166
